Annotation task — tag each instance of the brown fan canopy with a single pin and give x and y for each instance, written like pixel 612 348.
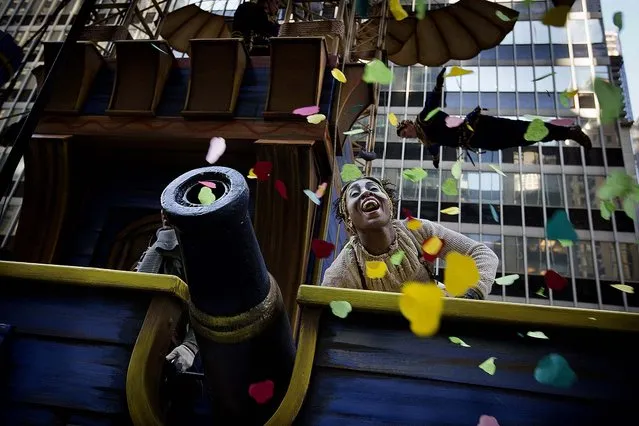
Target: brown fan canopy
pixel 191 22
pixel 459 31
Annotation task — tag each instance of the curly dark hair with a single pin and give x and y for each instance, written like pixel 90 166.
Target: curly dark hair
pixel 402 125
pixel 386 185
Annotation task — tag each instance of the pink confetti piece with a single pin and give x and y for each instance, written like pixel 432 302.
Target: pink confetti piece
pixel 281 188
pixel 217 146
pixel 485 420
pixel 310 194
pixel 207 184
pixel 567 122
pixel 305 111
pixel 453 122
pixel 262 392
pixel 320 190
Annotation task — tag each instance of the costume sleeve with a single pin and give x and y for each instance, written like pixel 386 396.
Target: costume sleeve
pixel 343 272
pixel 190 342
pixel 434 98
pixel 485 259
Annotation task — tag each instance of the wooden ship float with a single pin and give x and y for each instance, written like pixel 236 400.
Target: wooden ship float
pixel 83 340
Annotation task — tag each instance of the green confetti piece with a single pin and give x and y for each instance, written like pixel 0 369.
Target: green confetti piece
pixel 497 170
pixel 623 287
pixel 354 132
pixel 565 98
pixel 560 228
pixel 541 292
pixel 420 7
pixel 493 212
pixel 377 72
pixel 536 131
pixel 554 370
pixel 630 208
pixel 507 279
pixel 415 174
pixel 610 100
pixel 449 187
pixel 566 243
pixel 456 170
pixel 432 113
pixel 489 366
pixel 396 258
pixel 341 308
pixel 545 76
pixel 458 341
pixel 617 185
pixel 206 196
pixel 607 208
pixel 350 172
pixel 617 19
pixel 537 335
pixel 501 16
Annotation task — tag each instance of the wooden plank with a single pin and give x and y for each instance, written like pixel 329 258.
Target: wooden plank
pixel 338 397
pixel 33 414
pixel 606 368
pixel 76 313
pixel 67 374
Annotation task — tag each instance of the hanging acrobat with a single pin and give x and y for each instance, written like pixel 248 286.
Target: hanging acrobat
pixel 477 132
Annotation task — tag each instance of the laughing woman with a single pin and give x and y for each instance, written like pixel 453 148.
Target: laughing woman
pixel 367 207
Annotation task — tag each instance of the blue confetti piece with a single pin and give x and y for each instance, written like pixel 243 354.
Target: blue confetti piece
pixel 553 370
pixel 494 213
pixel 560 228
pixel 310 194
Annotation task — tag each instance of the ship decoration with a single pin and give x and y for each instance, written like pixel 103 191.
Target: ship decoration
pixel 83 340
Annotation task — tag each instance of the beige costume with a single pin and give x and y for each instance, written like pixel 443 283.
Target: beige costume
pixel 344 271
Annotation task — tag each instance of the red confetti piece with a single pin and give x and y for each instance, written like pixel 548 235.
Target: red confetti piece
pixel 429 246
pixel 207 184
pixel 281 188
pixel 262 392
pixel 321 248
pixel 262 169
pixel 554 281
pixel 407 213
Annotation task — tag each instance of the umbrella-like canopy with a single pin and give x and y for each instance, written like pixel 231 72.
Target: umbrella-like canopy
pixel 191 22
pixel 459 31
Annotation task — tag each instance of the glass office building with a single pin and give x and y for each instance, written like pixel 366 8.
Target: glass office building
pixel 524 76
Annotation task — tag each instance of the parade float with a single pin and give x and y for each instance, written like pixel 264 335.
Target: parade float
pixel 83 340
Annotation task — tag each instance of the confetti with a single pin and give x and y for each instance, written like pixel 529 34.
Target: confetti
pixel 560 228
pixel 507 279
pixel 376 269
pixel 251 174
pixel 322 249
pixel 262 392
pixel 629 208
pixel 456 71
pixel 420 8
pixel 458 341
pixel 338 75
pixel 489 366
pixel 262 169
pixel 554 281
pixel 556 16
pixel 460 274
pixel 545 76
pixel 397 257
pixel 541 293
pixel 617 19
pixel 624 288
pixel 537 334
pixel 350 172
pixel 207 184
pixel 306 111
pixel 311 195
pixel 422 305
pixel 414 224
pixel 494 213
pixel 452 122
pixel 392 119
pixel 485 420
pixel 355 132
pixel 397 10
pixel 449 187
pixel 321 189
pixel 281 189
pixel 432 113
pixel 607 208
pixel 566 122
pixel 340 308
pixel 501 16
pixel 206 196
pixel 316 118
pixel 536 131
pixel 554 370
pixel 452 211
pixel 566 243
pixel 610 100
pixel 217 146
pixel 431 248
pixel 566 96
pixel 415 174
pixel 497 169
pixel 377 72
pixel 456 170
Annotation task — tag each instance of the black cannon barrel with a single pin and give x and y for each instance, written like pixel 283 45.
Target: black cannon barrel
pixel 236 308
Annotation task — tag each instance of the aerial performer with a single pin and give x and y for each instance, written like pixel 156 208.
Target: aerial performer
pixel 478 131
pixel 367 206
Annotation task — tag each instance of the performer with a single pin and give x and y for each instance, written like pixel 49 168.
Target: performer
pixel 478 131
pixel 256 22
pixel 367 207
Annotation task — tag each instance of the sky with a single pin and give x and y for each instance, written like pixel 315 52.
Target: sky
pixel 628 34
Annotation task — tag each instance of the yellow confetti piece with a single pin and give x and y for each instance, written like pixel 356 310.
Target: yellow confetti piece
pixel 397 10
pixel 251 174
pixel 456 170
pixel 422 305
pixel 458 341
pixel 489 366
pixel 414 224
pixel 392 119
pixel 432 245
pixel 456 71
pixel 497 170
pixel 376 269
pixel 338 75
pixel 623 287
pixel 316 118
pixel 460 274
pixel 537 335
pixel 451 211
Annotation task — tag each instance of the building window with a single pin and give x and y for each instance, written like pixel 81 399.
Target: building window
pixel 553 187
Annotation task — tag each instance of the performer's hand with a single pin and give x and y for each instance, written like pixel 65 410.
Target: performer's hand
pixel 440 77
pixel 182 358
pixel 436 163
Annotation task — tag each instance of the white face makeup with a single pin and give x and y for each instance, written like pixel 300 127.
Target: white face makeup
pixel 367 204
